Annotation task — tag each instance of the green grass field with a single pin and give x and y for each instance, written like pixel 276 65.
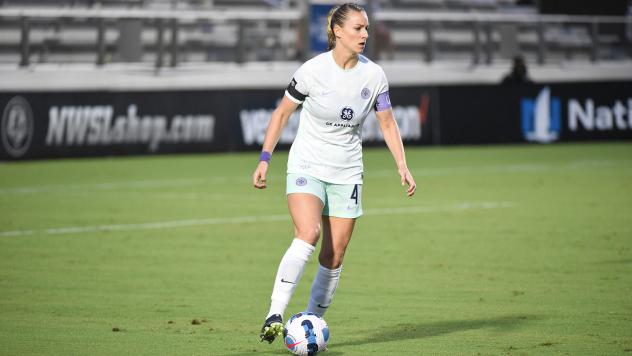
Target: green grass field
pixel 504 250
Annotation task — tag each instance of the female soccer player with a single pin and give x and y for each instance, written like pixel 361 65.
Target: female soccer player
pixel 338 89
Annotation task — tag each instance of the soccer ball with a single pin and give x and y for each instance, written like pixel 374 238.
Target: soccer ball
pixel 306 334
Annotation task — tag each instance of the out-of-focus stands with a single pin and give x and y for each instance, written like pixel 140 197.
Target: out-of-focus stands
pixel 168 32
pixel 104 78
pixel 142 31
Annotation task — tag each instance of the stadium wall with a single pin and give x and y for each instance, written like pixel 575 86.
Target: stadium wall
pixel 39 125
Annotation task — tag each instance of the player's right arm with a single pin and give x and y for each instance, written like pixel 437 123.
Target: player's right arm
pixel 279 119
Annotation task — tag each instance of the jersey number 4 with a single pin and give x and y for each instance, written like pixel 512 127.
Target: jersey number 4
pixel 354 194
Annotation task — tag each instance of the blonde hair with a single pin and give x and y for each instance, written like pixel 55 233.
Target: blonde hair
pixel 337 16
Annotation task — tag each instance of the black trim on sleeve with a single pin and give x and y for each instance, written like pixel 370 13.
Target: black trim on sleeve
pixel 291 88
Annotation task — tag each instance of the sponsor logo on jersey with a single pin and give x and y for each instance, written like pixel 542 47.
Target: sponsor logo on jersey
pixel 346 113
pixel 301 181
pixel 340 124
pixel 365 93
pixel 17 127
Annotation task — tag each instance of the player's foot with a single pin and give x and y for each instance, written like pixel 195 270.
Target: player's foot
pixel 272 327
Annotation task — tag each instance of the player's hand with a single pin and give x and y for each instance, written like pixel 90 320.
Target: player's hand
pixel 259 177
pixel 407 179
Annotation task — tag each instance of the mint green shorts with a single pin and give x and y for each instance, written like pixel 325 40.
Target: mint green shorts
pixel 339 200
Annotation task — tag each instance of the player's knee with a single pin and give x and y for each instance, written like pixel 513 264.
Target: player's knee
pixel 331 259
pixel 308 234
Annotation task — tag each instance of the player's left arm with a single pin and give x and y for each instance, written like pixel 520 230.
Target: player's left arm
pixel 393 139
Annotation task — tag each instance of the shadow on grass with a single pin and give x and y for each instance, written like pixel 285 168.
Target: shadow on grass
pixel 423 330
pixel 281 351
pixel 412 331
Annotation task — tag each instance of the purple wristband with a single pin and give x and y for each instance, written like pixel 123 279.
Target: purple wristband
pixel 265 156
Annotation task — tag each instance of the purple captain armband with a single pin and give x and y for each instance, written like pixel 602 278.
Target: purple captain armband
pixel 383 102
pixel 265 156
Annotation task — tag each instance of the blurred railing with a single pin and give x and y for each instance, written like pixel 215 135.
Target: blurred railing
pixel 523 32
pixel 160 23
pixel 240 34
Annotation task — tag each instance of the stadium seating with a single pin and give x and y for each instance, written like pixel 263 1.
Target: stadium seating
pixel 64 40
pixel 453 40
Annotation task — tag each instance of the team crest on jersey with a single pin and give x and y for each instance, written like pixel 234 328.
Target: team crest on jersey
pixel 365 93
pixel 346 113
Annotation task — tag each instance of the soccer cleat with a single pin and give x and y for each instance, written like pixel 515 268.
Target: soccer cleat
pixel 272 327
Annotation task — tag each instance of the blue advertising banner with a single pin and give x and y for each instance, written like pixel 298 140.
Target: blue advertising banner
pixel 317 26
pixel 537 113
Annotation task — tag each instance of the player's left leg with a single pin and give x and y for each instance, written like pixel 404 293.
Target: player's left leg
pixel 344 205
pixel 336 236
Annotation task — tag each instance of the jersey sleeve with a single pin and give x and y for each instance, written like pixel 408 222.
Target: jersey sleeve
pixel 383 100
pixel 382 86
pixel 298 89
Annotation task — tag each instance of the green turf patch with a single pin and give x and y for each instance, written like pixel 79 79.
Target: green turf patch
pixel 519 250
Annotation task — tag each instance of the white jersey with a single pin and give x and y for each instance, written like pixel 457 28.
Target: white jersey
pixel 336 101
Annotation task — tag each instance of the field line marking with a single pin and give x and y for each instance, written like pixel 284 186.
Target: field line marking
pixel 156 183
pixel 417 172
pixel 243 219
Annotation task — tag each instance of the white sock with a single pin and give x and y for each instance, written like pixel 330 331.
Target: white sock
pixel 323 290
pixel 289 274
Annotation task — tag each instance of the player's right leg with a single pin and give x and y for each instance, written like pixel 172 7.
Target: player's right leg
pixel 305 207
pixel 272 327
